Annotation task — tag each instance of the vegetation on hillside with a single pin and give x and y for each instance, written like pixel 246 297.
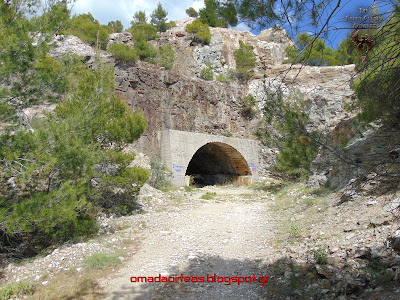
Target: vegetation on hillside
pixel 245 60
pixel 58 173
pixel 200 32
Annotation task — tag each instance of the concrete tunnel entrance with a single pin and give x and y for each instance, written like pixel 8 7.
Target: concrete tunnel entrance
pixel 216 163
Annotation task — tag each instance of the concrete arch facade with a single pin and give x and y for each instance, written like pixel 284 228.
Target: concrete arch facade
pixel 179 147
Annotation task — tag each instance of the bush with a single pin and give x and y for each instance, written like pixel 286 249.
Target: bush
pixel 145 51
pixel 166 57
pixel 69 173
pixel 16 289
pixel 201 32
pixel 222 78
pixel 159 174
pixel 191 12
pixel 245 60
pixel 228 133
pixel 123 53
pixel 287 122
pixel 145 32
pixel 248 108
pixel 320 256
pixel 207 73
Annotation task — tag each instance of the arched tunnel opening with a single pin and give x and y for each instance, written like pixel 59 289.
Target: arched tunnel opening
pixel 216 163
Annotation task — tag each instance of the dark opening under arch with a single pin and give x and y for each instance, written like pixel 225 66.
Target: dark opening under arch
pixel 217 163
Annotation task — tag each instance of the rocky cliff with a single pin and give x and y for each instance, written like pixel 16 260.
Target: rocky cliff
pixel 179 99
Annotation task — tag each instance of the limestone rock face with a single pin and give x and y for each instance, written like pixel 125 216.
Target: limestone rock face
pixel 325 90
pixel 70 44
pixel 173 101
pixel 120 38
pixel 269 47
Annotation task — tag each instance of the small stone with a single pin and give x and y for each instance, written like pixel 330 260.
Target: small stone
pixel 45 282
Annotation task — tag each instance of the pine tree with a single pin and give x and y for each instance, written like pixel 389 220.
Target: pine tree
pixel 139 18
pixel 159 18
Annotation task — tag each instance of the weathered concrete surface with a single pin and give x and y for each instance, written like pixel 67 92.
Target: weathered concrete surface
pixel 178 148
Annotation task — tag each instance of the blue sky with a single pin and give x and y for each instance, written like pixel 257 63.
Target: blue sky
pixel 123 10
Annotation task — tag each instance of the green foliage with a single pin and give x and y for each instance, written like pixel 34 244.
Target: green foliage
pixel 293 229
pixel 378 85
pixel 248 108
pixel 101 261
pixel 16 289
pixel 312 52
pixel 218 14
pixel 201 32
pixel 320 255
pixel 88 29
pixel 141 34
pixel 123 53
pixel 139 18
pixel 63 172
pixel 145 32
pixel 346 53
pixel 166 56
pixel 287 122
pixel 245 61
pixel 228 133
pixel 170 25
pixel 159 18
pixel 207 72
pixel 145 51
pixel 191 12
pixel 160 175
pixel 222 78
pixel 27 75
pixel 209 195
pixel 116 26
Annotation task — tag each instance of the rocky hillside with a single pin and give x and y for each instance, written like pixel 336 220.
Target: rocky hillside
pixel 179 99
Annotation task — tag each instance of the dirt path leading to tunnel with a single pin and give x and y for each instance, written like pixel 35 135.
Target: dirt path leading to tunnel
pixel 228 236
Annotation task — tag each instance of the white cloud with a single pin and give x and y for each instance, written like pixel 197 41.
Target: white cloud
pixel 123 10
pixel 242 27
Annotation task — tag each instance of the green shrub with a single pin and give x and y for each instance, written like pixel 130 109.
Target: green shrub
pixel 245 60
pixel 249 109
pixel 166 57
pixel 69 173
pixel 143 32
pixel 201 32
pixel 160 175
pixel 294 229
pixel 16 289
pixel 145 51
pixel 191 12
pixel 287 133
pixel 100 261
pixel 123 53
pixel 171 24
pixel 207 73
pixel 228 133
pixel 222 78
pixel 320 256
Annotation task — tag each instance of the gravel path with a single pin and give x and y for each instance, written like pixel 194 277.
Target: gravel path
pixel 225 236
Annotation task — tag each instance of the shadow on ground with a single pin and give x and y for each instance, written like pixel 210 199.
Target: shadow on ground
pixel 365 275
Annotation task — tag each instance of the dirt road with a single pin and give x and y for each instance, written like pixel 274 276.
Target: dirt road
pixel 227 235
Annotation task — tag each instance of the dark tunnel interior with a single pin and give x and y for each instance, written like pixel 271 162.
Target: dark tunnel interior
pixel 216 163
